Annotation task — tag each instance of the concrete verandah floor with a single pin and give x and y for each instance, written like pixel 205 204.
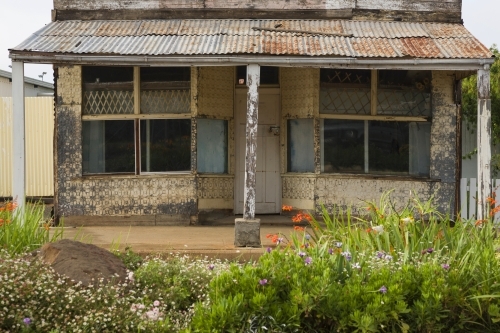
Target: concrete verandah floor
pixel 210 240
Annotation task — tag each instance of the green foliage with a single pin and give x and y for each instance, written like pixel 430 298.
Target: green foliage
pixel 23 231
pixel 397 270
pixel 130 259
pixel 159 297
pixel 469 104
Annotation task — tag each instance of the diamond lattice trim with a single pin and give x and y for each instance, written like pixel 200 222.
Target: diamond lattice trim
pixel 404 103
pixel 108 102
pixel 166 101
pixel 345 100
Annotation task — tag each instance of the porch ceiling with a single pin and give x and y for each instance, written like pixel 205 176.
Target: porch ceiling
pixel 294 39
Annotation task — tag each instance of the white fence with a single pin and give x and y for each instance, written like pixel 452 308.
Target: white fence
pixel 39 146
pixel 468 195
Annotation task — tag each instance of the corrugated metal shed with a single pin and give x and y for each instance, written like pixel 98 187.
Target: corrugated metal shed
pixel 360 39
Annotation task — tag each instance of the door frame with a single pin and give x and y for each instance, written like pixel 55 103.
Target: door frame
pixel 238 91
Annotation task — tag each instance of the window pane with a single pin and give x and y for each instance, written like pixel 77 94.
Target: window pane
pixel 343 146
pixel 268 75
pixel 300 145
pixel 165 145
pixel 212 146
pixel 108 146
pixel 388 147
pixel 345 91
pixel 108 90
pixel 165 90
pixel 420 149
pixel 404 93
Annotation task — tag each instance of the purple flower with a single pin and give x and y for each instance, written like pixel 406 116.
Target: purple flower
pixel 388 257
pixel 308 261
pixel 383 289
pixel 430 250
pixel 306 245
pixel 269 250
pixel 302 254
pixel 347 255
pixel 211 267
pixel 263 282
pixel 308 237
pixel 27 321
pixel 330 251
pixel 280 240
pixel 380 254
pixel 445 266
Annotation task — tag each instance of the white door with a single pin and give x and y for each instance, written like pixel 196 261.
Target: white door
pixel 268 187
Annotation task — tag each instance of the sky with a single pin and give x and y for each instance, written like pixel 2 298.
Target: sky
pixel 20 18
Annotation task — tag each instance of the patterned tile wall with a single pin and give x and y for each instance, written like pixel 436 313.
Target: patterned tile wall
pixel 216 187
pixel 345 191
pixel 107 195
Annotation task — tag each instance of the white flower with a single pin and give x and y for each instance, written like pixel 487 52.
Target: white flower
pixel 407 220
pixel 156 303
pixel 356 265
pixel 379 229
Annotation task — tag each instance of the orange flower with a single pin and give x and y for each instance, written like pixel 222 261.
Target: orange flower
pixel 274 237
pixel 286 208
pixel 479 223
pixel 2 222
pixel 369 230
pixel 46 226
pixel 9 206
pixel 297 228
pixel 308 217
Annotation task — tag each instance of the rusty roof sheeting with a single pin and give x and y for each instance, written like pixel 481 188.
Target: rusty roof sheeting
pixel 365 39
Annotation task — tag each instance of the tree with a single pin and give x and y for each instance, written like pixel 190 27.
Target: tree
pixel 469 106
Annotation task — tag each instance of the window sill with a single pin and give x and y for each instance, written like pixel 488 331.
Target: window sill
pixel 186 174
pixel 379 177
pixel 362 176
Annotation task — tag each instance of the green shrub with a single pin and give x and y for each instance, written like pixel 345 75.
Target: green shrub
pixel 157 298
pixel 406 270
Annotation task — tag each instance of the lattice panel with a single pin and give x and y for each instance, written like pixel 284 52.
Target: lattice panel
pixel 166 101
pixel 108 102
pixel 345 100
pixel 403 102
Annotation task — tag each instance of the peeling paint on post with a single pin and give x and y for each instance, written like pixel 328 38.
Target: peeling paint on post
pixel 483 141
pixel 253 81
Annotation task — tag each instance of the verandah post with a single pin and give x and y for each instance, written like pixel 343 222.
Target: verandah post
pixel 247 229
pixel 18 135
pixel 483 142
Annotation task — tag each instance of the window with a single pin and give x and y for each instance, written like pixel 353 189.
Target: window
pixel 269 75
pixel 212 146
pixel 136 120
pixel 375 122
pixel 300 145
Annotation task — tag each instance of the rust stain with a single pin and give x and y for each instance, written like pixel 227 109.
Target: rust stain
pixel 420 47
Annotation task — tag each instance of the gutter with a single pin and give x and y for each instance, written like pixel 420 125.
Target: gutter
pixel 266 60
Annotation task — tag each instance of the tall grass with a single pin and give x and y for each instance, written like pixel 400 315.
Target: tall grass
pixel 23 230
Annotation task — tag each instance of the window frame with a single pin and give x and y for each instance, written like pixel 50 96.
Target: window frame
pixel 137 116
pixel 373 116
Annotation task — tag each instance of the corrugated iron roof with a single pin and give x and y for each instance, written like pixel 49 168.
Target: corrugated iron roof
pixel 361 39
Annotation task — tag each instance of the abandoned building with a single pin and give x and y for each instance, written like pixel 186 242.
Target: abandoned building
pixel 178 111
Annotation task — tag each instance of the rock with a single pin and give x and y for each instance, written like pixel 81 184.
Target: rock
pixel 83 262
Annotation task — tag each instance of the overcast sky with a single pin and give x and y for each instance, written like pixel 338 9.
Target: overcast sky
pixel 20 18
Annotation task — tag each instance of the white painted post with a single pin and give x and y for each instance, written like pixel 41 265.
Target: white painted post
pixel 247 229
pixel 253 82
pixel 18 147
pixel 483 142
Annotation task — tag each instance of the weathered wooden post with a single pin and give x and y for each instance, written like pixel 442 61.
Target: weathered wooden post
pixel 483 142
pixel 18 135
pixel 247 229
